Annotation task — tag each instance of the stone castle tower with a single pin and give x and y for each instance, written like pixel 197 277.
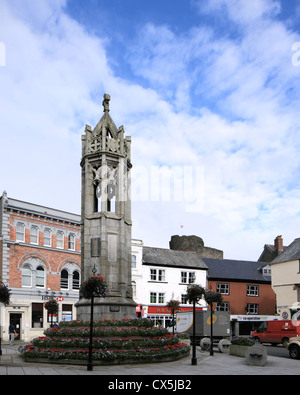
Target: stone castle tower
pixel 106 217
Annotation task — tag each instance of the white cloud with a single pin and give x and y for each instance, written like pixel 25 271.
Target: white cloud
pixel 221 103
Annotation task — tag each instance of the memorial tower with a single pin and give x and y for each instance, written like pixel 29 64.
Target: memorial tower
pixel 106 217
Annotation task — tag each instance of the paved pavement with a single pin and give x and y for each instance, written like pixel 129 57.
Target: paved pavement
pixel 11 363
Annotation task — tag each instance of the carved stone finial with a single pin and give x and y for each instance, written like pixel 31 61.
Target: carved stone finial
pixel 105 103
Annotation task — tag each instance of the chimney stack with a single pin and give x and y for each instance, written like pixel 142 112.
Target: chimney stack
pixel 278 244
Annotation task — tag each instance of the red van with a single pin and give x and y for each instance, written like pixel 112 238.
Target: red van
pixel 277 331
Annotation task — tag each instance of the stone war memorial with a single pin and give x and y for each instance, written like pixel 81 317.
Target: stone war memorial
pixel 107 330
pixel 106 217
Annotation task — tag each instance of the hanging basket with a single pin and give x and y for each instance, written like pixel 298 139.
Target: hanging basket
pixel 51 306
pixel 213 297
pixel 173 305
pixel 4 294
pixel 94 286
pixel 195 293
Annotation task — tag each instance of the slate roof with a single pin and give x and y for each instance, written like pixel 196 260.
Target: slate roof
pixel 235 270
pixel 172 258
pixel 291 252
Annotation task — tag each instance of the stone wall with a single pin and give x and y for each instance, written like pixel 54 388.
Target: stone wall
pixel 194 243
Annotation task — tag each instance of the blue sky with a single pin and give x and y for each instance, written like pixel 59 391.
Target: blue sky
pixel 208 90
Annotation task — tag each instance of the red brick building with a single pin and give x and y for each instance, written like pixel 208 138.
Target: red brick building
pixel 40 260
pixel 246 290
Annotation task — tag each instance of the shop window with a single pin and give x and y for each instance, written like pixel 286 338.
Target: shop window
pixel 37 315
pixel 66 312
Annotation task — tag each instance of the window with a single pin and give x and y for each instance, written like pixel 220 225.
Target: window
pixel 157 298
pixel 157 275
pixel 252 290
pixel 152 297
pixel 47 237
pixel 188 277
pixel 34 235
pixel 267 270
pixel 71 241
pixel 161 297
pixel 184 299
pixel 76 279
pixel 37 315
pixel 40 277
pixel 223 289
pixel 60 240
pixel 133 285
pixel 222 306
pixel 20 235
pixel 66 312
pixel 133 261
pixel 153 274
pixel 26 276
pixel 192 277
pixel 64 279
pixel 252 308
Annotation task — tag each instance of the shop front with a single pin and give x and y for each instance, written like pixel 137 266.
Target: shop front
pixel 243 325
pixel 29 316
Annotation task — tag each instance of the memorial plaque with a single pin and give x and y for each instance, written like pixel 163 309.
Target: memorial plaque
pixel 114 309
pixel 95 247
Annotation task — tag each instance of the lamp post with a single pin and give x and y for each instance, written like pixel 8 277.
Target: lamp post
pixel 94 286
pixel 211 331
pixel 210 298
pixel 194 294
pixel 173 306
pixel 194 359
pixel 4 298
pixel 90 358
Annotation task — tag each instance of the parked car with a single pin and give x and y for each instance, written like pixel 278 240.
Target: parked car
pixel 276 331
pixel 293 346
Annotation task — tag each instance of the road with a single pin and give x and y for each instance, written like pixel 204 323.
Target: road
pixel 277 351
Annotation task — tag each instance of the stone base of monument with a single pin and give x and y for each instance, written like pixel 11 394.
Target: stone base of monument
pixel 114 342
pixel 112 308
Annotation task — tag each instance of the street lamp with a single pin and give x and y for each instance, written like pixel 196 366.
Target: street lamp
pixel 4 298
pixel 210 298
pixel 194 294
pixel 94 286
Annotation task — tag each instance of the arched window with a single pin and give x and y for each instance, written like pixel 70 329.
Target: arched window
pixel 76 279
pixel 60 240
pixel 26 276
pixel 64 279
pixel 71 240
pixel 20 236
pixel 34 235
pixel 40 277
pixel 47 237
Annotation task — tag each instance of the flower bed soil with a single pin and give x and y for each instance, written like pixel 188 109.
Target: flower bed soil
pixel 114 342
